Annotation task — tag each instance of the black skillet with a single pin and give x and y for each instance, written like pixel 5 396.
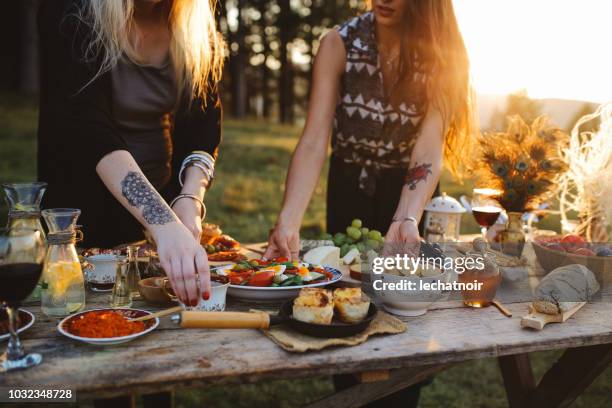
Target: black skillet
pixel 246 320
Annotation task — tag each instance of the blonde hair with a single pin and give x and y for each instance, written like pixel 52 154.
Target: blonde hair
pixel 196 47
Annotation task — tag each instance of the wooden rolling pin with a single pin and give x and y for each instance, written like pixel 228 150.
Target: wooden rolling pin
pixel 225 320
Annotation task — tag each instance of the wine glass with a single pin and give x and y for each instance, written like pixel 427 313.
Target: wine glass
pixel 485 207
pixel 22 252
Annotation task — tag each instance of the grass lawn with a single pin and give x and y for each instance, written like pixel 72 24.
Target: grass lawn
pixel 244 201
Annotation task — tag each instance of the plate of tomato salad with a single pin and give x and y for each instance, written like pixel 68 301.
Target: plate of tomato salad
pixel 273 279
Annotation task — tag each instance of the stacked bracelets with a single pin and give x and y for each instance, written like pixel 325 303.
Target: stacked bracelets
pixel 202 161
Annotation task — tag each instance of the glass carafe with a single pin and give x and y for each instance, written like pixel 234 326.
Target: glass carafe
pixel 24 205
pixel 23 200
pixel 63 288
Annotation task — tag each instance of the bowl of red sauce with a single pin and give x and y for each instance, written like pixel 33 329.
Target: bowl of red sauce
pixel 107 326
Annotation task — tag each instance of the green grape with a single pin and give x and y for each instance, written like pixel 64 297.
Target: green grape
pixel 373 244
pixel 353 232
pixel 375 235
pixel 344 249
pixel 356 223
pixel 365 231
pixel 327 237
pixel 339 239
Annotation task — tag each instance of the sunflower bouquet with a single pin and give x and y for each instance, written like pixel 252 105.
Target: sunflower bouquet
pixel 523 163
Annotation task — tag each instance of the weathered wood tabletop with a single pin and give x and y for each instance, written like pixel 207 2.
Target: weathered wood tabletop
pixel 171 356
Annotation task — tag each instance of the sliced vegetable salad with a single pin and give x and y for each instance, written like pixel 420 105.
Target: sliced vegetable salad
pixel 278 272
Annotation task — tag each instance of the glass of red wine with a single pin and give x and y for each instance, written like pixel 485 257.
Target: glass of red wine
pixel 486 208
pixel 22 252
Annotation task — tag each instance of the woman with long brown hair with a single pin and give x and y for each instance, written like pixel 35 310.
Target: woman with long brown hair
pixel 392 86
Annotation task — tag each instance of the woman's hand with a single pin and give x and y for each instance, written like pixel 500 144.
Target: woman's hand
pixel 189 212
pixel 182 257
pixel 402 237
pixel 284 241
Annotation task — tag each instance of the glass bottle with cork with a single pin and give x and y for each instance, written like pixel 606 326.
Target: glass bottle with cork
pixel 133 273
pixel 122 296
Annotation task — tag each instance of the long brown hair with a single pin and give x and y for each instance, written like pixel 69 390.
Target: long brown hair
pixel 432 44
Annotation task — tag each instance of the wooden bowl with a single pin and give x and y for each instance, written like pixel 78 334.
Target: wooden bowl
pixel 550 259
pixel 151 291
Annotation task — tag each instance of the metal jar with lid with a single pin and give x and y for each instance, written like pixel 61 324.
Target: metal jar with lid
pixel 443 219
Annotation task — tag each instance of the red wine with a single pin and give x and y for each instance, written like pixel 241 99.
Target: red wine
pixel 18 280
pixel 487 215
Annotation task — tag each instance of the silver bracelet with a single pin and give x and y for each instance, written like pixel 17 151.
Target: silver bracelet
pixel 402 219
pixel 204 163
pixel 193 197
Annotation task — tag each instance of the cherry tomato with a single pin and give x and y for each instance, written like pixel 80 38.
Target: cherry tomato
pixel 238 278
pixel 262 279
pixel 281 260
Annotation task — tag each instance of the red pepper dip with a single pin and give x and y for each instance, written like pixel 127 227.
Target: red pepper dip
pixel 101 324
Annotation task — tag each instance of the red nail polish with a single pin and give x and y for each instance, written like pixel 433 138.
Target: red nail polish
pixel 206 295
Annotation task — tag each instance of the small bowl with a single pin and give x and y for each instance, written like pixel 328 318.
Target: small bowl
pixel 411 302
pixel 216 302
pixel 152 290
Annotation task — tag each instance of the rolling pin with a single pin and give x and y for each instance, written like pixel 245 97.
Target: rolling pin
pixel 225 320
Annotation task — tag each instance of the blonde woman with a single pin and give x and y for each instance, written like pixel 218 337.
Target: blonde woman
pixel 129 101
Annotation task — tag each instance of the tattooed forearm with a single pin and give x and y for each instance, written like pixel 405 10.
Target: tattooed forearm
pixel 139 193
pixel 417 173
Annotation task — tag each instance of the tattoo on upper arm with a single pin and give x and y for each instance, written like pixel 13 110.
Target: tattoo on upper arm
pixel 139 193
pixel 417 173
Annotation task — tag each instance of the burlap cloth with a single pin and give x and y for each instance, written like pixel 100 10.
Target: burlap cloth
pixel 296 342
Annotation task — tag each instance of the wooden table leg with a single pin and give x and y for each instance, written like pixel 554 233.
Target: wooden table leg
pixel 363 393
pixel 518 378
pixel 575 370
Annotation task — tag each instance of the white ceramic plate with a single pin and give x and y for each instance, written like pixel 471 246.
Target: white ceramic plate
pixel 23 315
pixel 130 313
pixel 278 292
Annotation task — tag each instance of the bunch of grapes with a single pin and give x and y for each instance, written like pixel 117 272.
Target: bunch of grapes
pixel 359 237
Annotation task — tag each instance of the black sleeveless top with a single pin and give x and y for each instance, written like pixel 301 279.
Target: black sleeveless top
pixel 368 129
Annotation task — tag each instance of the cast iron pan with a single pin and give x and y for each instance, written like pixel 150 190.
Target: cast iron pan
pixel 245 320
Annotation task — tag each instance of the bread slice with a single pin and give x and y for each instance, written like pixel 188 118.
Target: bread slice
pixel 351 304
pixel 314 305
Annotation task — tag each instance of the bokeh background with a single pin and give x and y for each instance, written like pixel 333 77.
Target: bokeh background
pixel 528 57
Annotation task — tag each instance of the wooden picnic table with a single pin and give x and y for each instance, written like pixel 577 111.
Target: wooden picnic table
pixel 449 333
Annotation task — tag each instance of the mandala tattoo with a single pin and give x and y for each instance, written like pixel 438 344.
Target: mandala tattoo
pixel 416 174
pixel 139 193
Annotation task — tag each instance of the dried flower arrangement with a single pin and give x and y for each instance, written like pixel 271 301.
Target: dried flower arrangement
pixel 586 188
pixel 524 163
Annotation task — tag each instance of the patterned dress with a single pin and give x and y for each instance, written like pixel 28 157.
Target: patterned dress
pixel 369 130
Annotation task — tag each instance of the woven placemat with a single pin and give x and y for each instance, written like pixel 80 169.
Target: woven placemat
pixel 296 342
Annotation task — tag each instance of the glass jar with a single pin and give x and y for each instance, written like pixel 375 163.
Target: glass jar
pixel 122 296
pixel 482 274
pixel 63 286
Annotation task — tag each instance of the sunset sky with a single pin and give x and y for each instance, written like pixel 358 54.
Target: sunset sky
pixel 551 48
